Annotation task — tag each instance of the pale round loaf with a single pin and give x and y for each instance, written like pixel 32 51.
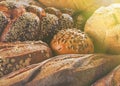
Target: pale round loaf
pixel 104 29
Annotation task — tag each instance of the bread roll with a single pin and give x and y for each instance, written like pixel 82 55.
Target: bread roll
pixel 72 41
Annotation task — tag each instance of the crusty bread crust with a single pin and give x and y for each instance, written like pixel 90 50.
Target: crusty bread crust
pixel 64 70
pixel 14 56
pixel 112 79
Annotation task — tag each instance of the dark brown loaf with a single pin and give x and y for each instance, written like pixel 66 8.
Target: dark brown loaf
pixel 64 70
pixel 112 79
pixel 14 56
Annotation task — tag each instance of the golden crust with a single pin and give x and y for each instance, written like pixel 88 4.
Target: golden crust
pixel 71 41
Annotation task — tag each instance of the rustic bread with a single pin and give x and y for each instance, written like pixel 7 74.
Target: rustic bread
pixel 14 56
pixel 64 70
pixel 112 79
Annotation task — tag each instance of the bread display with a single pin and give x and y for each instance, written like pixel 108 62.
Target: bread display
pixel 14 56
pixel 112 79
pixel 43 43
pixel 70 41
pixel 64 70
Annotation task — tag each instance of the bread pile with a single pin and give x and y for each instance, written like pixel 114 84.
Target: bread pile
pixel 45 46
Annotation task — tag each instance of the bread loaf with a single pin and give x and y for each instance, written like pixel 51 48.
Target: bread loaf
pixel 14 56
pixel 63 70
pixel 112 79
pixel 103 28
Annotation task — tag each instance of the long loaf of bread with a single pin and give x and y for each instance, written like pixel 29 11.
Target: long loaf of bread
pixel 63 70
pixel 112 79
pixel 16 55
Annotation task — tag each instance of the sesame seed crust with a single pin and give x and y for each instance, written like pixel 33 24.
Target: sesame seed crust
pixel 71 41
pixel 26 27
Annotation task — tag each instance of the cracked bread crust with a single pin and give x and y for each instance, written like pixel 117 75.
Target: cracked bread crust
pixel 64 70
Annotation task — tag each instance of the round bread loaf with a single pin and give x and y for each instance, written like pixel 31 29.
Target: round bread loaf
pixel 104 29
pixel 71 41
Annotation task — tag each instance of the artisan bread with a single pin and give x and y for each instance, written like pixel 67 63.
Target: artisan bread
pixel 63 70
pixel 14 56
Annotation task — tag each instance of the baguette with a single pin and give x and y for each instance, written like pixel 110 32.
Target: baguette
pixel 112 79
pixel 63 70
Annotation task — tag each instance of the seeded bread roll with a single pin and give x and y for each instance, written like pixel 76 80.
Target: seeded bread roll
pixel 64 70
pixel 65 21
pixel 35 9
pixel 20 22
pixel 71 41
pixel 48 27
pixel 26 27
pixel 14 56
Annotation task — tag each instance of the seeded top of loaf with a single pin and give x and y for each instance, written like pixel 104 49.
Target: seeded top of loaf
pixel 71 41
